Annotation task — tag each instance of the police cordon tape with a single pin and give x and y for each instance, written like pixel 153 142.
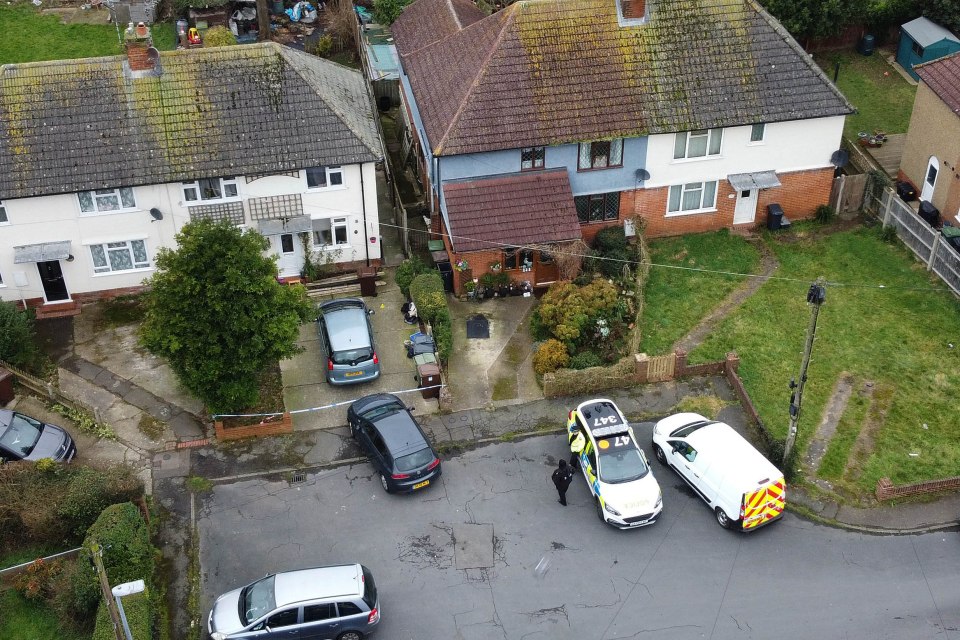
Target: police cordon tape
pixel 217 416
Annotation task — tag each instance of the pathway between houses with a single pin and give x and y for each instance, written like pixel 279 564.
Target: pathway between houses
pixel 768 264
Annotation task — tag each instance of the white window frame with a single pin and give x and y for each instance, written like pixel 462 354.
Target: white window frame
pixel 106 247
pixel 713 144
pixel 193 194
pixel 329 172
pixel 335 223
pixel 685 189
pixel 3 218
pixel 757 132
pixel 97 194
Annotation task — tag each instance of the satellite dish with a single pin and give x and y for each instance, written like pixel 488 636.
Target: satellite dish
pixel 156 214
pixel 643 174
pixel 840 158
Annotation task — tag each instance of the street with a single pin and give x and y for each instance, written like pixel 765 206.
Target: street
pixel 488 553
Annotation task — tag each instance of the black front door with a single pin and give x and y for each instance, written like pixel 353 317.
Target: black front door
pixel 54 288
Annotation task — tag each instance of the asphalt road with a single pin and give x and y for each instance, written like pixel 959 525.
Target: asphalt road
pixel 538 570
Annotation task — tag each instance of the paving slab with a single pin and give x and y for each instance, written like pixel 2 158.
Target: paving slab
pixel 171 464
pixel 186 426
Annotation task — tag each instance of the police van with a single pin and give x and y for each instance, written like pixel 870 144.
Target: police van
pixel 626 492
pixel 742 487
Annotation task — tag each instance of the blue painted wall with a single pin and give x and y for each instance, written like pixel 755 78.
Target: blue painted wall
pixel 906 58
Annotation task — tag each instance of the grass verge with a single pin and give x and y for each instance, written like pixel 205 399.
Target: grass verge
pixel 24 618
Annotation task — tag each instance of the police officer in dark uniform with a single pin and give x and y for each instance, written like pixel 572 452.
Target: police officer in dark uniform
pixel 562 477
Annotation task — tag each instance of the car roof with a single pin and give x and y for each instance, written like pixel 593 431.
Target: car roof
pixel 400 432
pixel 319 582
pixel 6 417
pixel 720 440
pixel 611 419
pixel 346 324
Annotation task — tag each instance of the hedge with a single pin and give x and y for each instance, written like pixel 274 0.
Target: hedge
pixel 407 271
pixel 427 293
pixel 139 612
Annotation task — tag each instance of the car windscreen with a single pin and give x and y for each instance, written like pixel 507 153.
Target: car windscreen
pixel 22 434
pixel 620 460
pixel 381 411
pixel 352 357
pixel 415 460
pixel 369 588
pixel 257 599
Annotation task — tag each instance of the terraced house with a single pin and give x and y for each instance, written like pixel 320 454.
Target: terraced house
pixel 548 120
pixel 103 160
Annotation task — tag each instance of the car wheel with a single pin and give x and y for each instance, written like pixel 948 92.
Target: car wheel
pixel 722 519
pixel 600 511
pixel 350 635
pixel 383 483
pixel 657 451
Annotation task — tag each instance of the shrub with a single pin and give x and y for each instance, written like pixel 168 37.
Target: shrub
pixel 139 612
pixel 443 335
pixel 219 37
pixel 538 330
pixel 550 356
pixel 39 580
pixel 824 214
pixel 585 360
pixel 427 293
pixel 386 11
pixel 407 271
pixel 562 311
pixel 17 345
pixel 610 238
pixel 91 491
pixel 323 46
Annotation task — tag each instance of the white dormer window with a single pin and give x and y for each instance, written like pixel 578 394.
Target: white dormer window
pixel 697 144
pixel 107 200
pixel 210 189
pixel 323 177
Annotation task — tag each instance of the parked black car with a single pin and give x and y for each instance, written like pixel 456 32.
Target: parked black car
pixel 26 438
pixel 384 428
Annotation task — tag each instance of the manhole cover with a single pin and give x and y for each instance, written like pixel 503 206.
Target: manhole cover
pixel 478 327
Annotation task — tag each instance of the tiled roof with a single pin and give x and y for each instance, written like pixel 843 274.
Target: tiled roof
pixel 73 125
pixel 427 21
pixel 943 77
pixel 546 72
pixel 514 210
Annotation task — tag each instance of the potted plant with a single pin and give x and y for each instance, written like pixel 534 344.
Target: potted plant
pixel 461 265
pixel 495 266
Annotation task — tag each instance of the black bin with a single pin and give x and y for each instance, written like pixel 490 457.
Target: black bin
pixel 774 217
pixel 384 103
pixel 446 274
pixel 906 191
pixel 929 213
pixel 866 45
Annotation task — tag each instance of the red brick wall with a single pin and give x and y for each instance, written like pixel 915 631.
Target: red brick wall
pixel 276 427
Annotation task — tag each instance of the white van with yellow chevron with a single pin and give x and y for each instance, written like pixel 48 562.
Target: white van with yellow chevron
pixel 742 487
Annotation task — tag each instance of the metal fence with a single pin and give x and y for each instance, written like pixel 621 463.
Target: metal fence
pixel 927 243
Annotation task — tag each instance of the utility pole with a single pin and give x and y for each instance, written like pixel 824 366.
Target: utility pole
pixel 97 555
pixel 815 297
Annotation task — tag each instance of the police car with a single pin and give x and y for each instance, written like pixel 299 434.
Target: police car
pixel 614 466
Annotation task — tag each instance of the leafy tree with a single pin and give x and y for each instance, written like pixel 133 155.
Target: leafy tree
pixel 806 19
pixel 218 37
pixel 17 345
pixel 946 13
pixel 216 312
pixel 386 11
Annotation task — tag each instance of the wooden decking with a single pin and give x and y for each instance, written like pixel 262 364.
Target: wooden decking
pixel 888 156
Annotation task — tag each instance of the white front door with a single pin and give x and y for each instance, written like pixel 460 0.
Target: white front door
pixel 930 180
pixel 746 209
pixel 290 250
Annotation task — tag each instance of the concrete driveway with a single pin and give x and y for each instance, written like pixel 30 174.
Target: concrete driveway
pixel 488 553
pixel 304 384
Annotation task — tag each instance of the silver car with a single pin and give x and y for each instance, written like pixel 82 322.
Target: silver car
pixel 346 338
pixel 26 438
pixel 324 603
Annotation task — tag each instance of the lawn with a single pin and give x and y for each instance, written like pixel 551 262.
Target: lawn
pixel 32 37
pixel 23 618
pixel 676 299
pixel 897 337
pixel 884 100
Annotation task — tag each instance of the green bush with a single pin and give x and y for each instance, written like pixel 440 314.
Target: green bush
pixel 139 613
pixel 550 356
pixel 610 238
pixel 219 36
pixel 585 360
pixel 443 335
pixel 824 214
pixel 427 293
pixel 17 345
pixel 407 271
pixel 386 11
pixel 323 46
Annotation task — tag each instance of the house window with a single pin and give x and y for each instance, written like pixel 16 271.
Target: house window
pixel 600 155
pixel 329 233
pixel 104 200
pixel 691 197
pixel 598 207
pixel 756 132
pixel 322 177
pixel 917 49
pixel 207 189
pixel 531 158
pixel 526 260
pixel 119 256
pixel 510 258
pixel 697 144
pixel 3 213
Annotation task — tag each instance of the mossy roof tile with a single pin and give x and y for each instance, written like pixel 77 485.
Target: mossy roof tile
pixel 75 125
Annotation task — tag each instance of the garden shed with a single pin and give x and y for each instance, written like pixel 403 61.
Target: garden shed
pixel 923 40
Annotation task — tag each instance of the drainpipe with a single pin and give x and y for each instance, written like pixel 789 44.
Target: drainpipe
pixel 363 203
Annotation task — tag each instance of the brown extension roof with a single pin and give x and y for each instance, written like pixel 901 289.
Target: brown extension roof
pixel 548 72
pixel 513 210
pixel 943 76
pixel 427 21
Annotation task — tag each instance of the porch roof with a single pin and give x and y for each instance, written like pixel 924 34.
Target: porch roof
pixel 41 252
pixel 517 209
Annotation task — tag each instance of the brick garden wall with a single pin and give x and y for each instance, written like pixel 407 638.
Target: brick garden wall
pixel 886 490
pixel 273 428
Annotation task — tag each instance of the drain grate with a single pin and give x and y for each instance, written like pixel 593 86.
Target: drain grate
pixel 298 478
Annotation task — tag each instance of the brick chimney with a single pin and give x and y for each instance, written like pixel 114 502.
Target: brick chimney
pixel 138 41
pixel 634 9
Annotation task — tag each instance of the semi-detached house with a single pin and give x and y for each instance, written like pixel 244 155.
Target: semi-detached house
pixel 546 121
pixel 103 160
